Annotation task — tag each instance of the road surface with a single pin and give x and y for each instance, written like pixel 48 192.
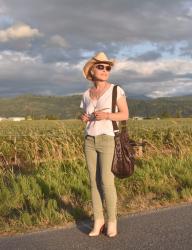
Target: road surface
pixel 165 228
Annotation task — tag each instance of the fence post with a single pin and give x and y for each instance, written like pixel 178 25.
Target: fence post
pixel 138 148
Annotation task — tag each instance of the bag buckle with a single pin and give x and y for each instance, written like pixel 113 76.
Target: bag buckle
pixel 117 130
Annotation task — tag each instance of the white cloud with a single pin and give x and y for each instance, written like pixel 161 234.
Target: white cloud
pixel 7 57
pixel 172 88
pixel 153 62
pixel 160 78
pixel 177 66
pixel 21 72
pixel 18 31
pixel 58 41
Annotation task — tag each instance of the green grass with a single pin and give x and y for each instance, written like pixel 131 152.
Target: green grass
pixel 45 181
pixel 52 194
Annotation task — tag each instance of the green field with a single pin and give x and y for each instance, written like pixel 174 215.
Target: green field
pixel 44 180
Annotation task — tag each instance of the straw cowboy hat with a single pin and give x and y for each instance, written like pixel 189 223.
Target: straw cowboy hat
pixel 100 57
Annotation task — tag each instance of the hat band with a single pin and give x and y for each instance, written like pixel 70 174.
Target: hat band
pixel 100 61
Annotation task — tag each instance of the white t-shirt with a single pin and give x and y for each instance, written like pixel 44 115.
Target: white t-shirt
pixel 104 102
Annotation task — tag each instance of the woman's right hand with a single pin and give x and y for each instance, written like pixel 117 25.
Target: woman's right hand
pixel 85 117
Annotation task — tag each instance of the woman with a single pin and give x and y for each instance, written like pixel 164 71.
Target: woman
pixel 99 139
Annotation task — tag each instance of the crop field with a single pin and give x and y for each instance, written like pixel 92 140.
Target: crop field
pixel 44 180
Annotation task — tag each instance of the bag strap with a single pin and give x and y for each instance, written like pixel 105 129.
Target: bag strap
pixel 114 103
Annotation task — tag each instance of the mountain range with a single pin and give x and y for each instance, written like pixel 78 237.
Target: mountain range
pixel 67 107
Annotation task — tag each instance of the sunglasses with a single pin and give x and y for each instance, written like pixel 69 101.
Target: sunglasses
pixel 102 67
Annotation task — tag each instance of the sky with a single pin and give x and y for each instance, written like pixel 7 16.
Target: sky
pixel 44 45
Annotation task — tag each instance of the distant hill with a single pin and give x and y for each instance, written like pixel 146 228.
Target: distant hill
pixel 37 106
pixel 67 107
pixel 140 97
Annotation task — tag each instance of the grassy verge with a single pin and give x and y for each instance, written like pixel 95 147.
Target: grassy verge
pixel 46 183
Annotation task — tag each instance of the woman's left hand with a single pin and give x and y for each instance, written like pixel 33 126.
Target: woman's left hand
pixel 101 115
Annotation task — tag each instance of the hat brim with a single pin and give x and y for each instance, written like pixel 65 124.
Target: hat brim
pixel 87 67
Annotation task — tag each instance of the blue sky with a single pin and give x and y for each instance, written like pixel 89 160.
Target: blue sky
pixel 44 45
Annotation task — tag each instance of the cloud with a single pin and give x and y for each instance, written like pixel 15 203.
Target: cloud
pixel 163 77
pixel 58 41
pixel 18 31
pixel 147 56
pixel 127 21
pixel 150 40
pixel 6 21
pixel 3 8
pixel 36 77
pixel 148 68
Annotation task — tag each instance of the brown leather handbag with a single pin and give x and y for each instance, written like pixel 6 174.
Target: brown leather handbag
pixel 123 159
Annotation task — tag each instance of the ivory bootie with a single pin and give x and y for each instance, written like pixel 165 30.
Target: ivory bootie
pixel 112 228
pixel 98 228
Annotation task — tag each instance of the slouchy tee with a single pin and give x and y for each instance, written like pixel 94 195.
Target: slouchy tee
pixel 104 103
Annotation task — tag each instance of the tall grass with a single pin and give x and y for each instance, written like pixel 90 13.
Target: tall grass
pixel 44 179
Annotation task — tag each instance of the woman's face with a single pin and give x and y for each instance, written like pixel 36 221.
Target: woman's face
pixel 101 71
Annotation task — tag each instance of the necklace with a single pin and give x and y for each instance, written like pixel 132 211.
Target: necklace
pixel 96 94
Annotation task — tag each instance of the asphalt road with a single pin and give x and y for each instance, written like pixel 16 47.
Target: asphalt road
pixel 165 228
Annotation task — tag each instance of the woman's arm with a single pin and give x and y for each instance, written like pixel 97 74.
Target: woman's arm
pixel 122 114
